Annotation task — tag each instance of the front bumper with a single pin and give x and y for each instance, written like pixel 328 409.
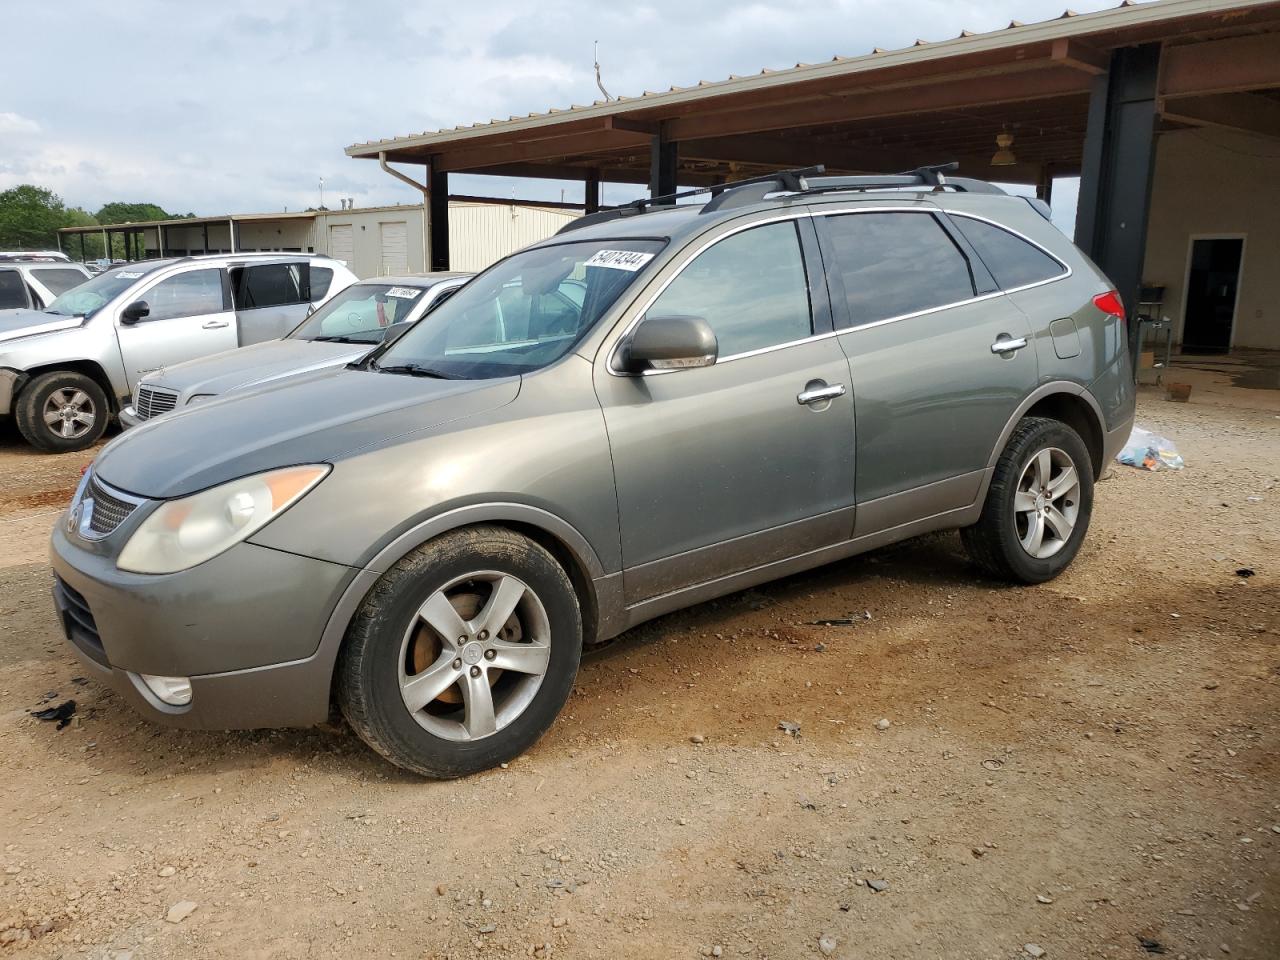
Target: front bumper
pixel 10 381
pixel 129 418
pixel 245 627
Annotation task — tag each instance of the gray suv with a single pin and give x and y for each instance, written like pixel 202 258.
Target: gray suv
pixel 660 405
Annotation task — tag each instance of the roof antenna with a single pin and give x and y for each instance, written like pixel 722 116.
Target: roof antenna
pixel 595 55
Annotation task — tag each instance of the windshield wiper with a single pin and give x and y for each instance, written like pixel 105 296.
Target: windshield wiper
pixel 412 370
pixel 336 339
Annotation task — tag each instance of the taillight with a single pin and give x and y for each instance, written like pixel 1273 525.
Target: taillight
pixel 1109 302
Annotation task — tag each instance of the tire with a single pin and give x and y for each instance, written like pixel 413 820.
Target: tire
pixel 396 651
pixel 76 401
pixel 1003 542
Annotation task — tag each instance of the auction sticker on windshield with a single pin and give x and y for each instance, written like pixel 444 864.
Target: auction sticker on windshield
pixel 628 260
pixel 128 275
pixel 404 293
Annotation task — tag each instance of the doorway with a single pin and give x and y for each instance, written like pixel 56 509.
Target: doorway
pixel 1213 282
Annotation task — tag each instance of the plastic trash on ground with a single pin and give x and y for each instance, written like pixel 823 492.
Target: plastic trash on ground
pixel 1149 451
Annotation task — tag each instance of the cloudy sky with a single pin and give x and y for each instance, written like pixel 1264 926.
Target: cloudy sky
pixel 238 106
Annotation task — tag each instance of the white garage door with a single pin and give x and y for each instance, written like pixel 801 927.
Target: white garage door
pixel 395 248
pixel 342 243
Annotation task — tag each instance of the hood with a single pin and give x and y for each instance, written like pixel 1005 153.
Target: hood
pixel 26 323
pixel 247 366
pixel 312 418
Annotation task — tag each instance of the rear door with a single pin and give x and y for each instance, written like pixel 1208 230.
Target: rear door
pixel 190 316
pixel 939 359
pixel 727 467
pixel 270 298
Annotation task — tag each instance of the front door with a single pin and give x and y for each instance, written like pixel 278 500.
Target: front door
pixel 940 361
pixel 1212 283
pixel 727 467
pixel 190 316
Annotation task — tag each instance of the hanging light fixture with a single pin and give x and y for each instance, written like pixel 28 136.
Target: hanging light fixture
pixel 1004 156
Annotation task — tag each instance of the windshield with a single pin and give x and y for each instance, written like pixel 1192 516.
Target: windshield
pixel 92 295
pixel 362 313
pixel 523 313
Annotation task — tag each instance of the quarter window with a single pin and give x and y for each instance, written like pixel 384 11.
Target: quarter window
pixel 321 277
pixel 896 263
pixel 13 290
pixel 750 287
pixel 1011 260
pixel 191 294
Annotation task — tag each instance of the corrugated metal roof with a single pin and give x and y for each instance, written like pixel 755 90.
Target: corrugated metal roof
pixel 1068 24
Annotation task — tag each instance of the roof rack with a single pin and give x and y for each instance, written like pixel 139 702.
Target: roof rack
pixel 803 180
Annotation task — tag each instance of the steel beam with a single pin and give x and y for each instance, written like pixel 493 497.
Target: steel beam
pixel 662 165
pixel 1119 159
pixel 438 217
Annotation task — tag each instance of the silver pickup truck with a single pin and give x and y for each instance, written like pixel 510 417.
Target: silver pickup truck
pixel 67 369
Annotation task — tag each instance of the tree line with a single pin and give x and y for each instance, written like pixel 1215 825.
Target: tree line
pixel 30 217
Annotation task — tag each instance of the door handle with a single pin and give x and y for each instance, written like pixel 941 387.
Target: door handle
pixel 818 394
pixel 1006 344
pixel 219 324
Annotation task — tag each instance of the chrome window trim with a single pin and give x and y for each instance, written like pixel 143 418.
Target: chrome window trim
pixel 790 215
pixel 1066 267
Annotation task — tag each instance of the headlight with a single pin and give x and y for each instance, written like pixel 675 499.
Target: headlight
pixel 183 533
pixel 200 398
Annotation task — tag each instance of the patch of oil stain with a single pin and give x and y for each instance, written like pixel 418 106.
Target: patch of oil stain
pixel 42 498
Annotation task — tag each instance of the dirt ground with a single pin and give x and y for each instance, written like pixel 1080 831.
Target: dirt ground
pixel 1073 767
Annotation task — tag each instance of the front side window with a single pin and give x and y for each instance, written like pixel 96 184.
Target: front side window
pixel 750 288
pixel 272 285
pixel 1012 261
pixel 13 290
pixel 361 313
pixel 515 318
pixel 894 264
pixel 191 294
pixel 58 280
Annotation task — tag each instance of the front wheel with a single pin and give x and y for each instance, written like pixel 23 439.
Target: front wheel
pixel 1038 505
pixel 61 411
pixel 462 654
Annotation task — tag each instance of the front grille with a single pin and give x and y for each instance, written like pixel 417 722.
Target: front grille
pixel 153 401
pixel 108 511
pixel 77 620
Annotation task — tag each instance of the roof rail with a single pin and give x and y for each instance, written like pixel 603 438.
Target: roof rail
pixel 784 181
pixel 804 180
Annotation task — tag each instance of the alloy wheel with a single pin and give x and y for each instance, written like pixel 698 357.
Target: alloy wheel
pixel 474 656
pixel 1047 503
pixel 69 413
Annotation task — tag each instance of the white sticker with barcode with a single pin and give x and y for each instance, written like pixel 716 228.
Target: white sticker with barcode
pixel 404 293
pixel 128 275
pixel 628 260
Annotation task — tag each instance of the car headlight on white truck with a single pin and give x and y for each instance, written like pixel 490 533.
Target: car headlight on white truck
pixel 191 530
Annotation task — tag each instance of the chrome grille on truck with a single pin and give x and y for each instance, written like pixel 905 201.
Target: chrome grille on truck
pixel 108 511
pixel 153 401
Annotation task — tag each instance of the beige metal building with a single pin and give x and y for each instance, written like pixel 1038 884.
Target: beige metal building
pixel 372 241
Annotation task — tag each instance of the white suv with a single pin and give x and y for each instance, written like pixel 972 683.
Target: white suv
pixel 32 282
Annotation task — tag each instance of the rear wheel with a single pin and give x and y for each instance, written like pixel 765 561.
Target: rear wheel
pixel 462 654
pixel 61 411
pixel 1038 506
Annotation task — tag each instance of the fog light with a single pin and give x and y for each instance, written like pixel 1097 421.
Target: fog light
pixel 172 690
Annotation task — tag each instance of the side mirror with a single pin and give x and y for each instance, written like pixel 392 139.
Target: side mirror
pixel 670 343
pixel 138 310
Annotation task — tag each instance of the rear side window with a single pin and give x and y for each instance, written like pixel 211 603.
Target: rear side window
pixel 1012 261
pixel 13 290
pixel 893 264
pixel 58 279
pixel 321 277
pixel 273 285
pixel 750 287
